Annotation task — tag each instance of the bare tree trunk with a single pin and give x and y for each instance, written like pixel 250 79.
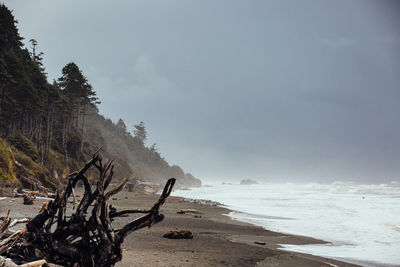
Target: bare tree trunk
pixel 48 123
pixel 49 133
pixel 77 114
pixel 83 128
pixel 41 143
pixel 64 141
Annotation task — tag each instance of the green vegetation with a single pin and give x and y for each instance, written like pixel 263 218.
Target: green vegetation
pixel 7 172
pixel 49 130
pixel 25 145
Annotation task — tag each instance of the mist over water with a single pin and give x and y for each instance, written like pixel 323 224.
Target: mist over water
pixel 361 221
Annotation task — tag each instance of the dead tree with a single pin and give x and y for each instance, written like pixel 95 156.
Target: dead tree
pixel 86 237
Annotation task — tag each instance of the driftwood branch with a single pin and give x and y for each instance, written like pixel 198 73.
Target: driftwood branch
pixel 5 224
pixel 86 236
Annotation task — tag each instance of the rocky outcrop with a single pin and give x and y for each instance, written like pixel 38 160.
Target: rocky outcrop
pixel 248 181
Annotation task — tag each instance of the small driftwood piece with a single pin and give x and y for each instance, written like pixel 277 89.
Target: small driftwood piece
pixel 5 224
pixel 182 234
pixel 183 211
pixel 34 263
pixel 5 262
pixel 84 236
pixel 29 198
pixel 17 221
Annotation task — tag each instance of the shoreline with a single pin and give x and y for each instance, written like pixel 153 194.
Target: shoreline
pixel 218 239
pixel 357 220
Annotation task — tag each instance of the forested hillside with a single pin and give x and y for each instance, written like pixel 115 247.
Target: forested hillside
pixel 50 129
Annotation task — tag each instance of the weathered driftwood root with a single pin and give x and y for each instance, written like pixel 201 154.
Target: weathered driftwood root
pixel 86 237
pixel 8 238
pixel 9 241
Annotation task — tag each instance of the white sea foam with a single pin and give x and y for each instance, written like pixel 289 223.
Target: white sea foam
pixel 362 222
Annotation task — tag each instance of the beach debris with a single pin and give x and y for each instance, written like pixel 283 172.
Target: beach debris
pixel 17 221
pixel 260 243
pixel 30 192
pixel 147 188
pixel 29 198
pixel 10 240
pixel 5 224
pixel 25 192
pixel 183 211
pixel 37 263
pixel 83 236
pixel 34 183
pixel 182 234
pixel 6 262
pixel 205 202
pixel 142 187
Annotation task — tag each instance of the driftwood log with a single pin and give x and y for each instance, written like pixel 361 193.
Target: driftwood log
pixel 182 234
pixel 28 199
pixel 85 236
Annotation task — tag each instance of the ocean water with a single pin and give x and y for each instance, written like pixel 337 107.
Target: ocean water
pixel 361 222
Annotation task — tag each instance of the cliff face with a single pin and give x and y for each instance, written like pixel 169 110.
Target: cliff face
pixel 48 130
pixel 20 165
pixel 141 162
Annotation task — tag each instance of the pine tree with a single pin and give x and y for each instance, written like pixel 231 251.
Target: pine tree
pixel 121 126
pixel 140 132
pixel 78 95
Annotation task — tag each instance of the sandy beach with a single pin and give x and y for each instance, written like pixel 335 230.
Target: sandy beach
pixel 218 240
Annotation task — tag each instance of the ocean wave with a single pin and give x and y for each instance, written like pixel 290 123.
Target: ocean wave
pixel 360 220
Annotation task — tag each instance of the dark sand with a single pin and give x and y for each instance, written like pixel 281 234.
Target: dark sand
pixel 218 240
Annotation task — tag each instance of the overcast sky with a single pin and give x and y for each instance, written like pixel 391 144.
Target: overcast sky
pixel 272 90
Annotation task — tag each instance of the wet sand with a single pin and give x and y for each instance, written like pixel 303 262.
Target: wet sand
pixel 218 240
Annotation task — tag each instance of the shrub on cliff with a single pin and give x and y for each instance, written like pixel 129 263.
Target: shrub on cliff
pixel 25 145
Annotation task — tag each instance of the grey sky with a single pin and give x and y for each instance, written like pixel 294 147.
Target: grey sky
pixel 292 90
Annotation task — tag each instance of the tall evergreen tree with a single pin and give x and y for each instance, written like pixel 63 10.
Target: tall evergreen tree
pixel 79 94
pixel 121 126
pixel 140 132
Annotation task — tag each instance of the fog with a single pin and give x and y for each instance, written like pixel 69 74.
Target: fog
pixel 267 90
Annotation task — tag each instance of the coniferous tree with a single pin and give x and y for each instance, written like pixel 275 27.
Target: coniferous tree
pixel 78 95
pixel 140 132
pixel 121 126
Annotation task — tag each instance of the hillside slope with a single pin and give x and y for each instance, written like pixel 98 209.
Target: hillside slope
pixel 48 130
